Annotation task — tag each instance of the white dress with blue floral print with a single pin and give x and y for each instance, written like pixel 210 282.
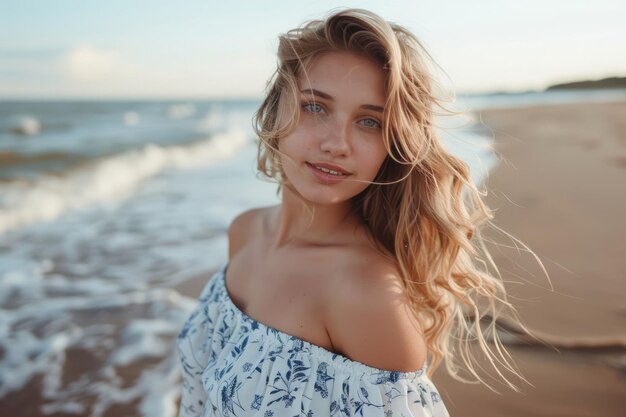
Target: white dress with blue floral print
pixel 234 365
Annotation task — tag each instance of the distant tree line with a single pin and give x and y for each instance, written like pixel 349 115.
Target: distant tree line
pixel 612 82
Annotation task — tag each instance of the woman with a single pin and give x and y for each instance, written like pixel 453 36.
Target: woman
pixel 369 252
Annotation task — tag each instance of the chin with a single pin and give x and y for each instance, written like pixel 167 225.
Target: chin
pixel 323 195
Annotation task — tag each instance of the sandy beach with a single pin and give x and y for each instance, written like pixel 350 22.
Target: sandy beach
pixel 559 189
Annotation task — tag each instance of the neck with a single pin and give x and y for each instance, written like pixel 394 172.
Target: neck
pixel 297 223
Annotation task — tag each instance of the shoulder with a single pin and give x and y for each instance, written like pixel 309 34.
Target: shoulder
pixel 369 318
pixel 243 226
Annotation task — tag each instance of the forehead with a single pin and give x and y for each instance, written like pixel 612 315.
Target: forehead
pixel 345 72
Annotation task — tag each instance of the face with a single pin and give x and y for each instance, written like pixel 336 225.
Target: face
pixel 340 128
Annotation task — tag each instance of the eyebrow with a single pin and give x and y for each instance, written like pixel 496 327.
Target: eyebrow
pixel 329 97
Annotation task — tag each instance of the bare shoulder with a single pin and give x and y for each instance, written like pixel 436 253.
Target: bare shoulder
pixel 243 226
pixel 369 319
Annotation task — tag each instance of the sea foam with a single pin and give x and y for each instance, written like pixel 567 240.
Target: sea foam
pixel 110 179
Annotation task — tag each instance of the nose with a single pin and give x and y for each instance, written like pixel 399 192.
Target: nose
pixel 338 137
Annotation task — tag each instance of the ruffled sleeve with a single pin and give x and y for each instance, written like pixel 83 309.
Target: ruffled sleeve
pixel 269 374
pixel 406 397
pixel 194 352
pixel 235 366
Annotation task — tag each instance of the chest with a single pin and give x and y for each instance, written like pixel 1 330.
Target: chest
pixel 287 292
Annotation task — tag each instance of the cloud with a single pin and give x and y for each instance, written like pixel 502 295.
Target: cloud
pixel 87 63
pixel 77 70
pixel 93 70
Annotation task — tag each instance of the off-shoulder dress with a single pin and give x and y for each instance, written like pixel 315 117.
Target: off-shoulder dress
pixel 233 365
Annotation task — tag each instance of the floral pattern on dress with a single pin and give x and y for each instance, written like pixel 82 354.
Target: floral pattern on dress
pixel 235 366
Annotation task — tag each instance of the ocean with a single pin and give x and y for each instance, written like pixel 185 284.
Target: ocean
pixel 106 207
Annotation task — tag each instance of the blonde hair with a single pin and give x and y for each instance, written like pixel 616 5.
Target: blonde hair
pixel 416 210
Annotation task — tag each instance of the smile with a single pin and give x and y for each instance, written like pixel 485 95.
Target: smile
pixel 325 175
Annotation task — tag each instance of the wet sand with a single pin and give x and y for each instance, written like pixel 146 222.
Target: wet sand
pixel 561 189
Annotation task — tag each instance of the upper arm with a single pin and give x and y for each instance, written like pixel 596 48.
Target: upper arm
pixel 239 230
pixel 370 321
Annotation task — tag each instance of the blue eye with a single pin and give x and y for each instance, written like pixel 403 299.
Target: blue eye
pixel 309 106
pixel 374 124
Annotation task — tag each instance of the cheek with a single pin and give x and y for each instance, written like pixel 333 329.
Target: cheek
pixel 285 145
pixel 298 142
pixel 292 151
pixel 376 155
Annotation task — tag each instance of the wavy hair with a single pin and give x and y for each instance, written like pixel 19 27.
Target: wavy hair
pixel 422 209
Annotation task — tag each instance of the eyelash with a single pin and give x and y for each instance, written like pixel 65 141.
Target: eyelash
pixel 305 106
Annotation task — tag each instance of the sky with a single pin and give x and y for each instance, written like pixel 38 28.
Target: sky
pixel 226 49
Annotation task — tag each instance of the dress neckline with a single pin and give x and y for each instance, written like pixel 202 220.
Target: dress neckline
pixel 321 352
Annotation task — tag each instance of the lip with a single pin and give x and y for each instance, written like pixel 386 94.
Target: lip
pixel 324 177
pixel 330 166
